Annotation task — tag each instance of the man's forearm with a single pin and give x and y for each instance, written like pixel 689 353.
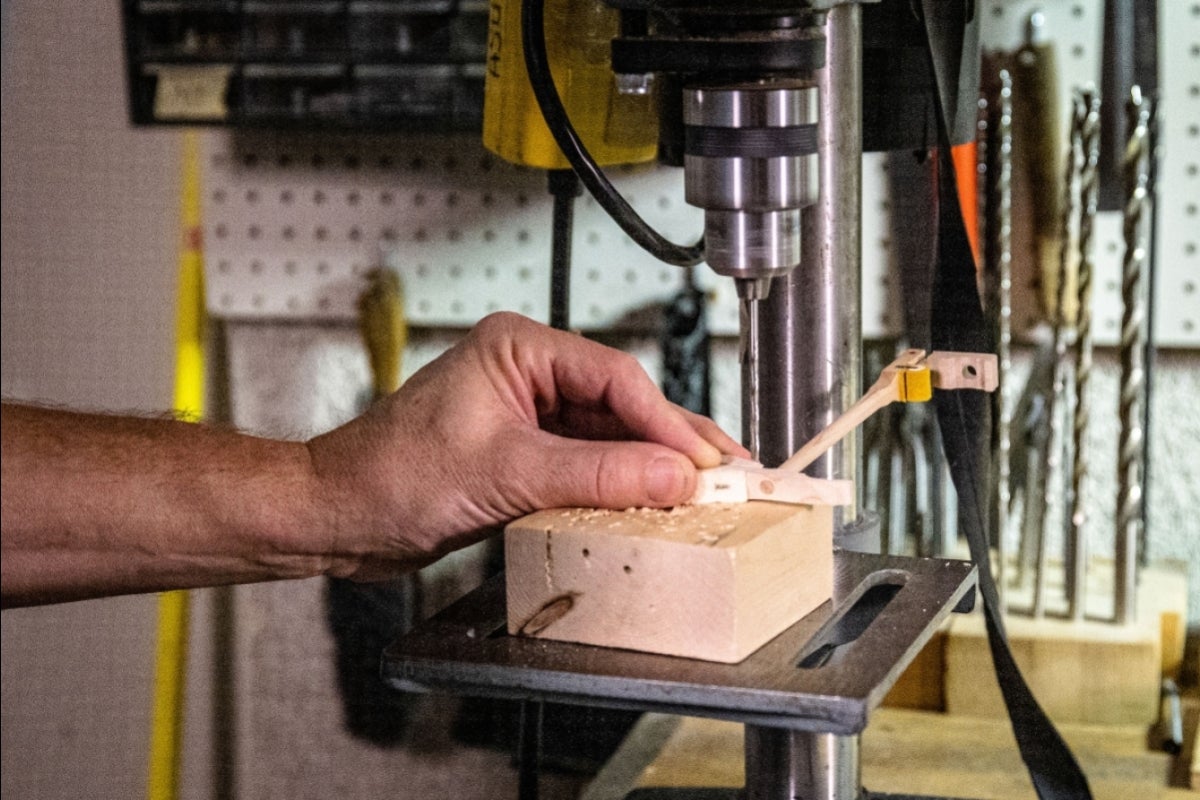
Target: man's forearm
pixel 96 505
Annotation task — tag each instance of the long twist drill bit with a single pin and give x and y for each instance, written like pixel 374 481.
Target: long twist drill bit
pixel 1052 468
pixel 1076 572
pixel 1002 236
pixel 1130 444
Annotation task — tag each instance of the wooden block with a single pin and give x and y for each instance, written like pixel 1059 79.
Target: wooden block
pixel 1088 672
pixel 712 582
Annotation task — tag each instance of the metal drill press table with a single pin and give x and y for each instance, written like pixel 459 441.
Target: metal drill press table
pixel 465 649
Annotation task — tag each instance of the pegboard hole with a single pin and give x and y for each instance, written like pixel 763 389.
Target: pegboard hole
pixel 1110 286
pixel 221 231
pixel 257 301
pixel 354 234
pixel 254 232
pixel 318 197
pixel 250 160
pixel 489 272
pixel 456 307
pixel 293 303
pixel 322 268
pixel 416 164
pixel 223 266
pixel 1077 51
pixel 1189 287
pixel 593 275
pixel 491 306
pixel 489 235
pixel 386 198
pixel 289 267
pixel 455 271
pixel 385 162
pixel 351 162
pixel 388 234
pixel 1192 169
pixel 1189 249
pixel 664 276
pixel 422 270
pixel 324 303
pixel 523 236
pixel 358 270
pixel 226 300
pixel 524 274
pixel 1111 246
pixel 317 161
pixel 418 200
pixel 284 160
pixel 1188 325
pixel 286 197
pixel 252 196
pixel 594 312
pixel 321 233
pixel 454 234
pixel 423 306
pixel 522 199
pixel 527 308
pixel 353 198
pixel 451 200
pixel 288 233
pixel 420 235
pixel 488 199
pixel 631 276
pixel 256 267
pixel 664 202
pixel 1077 11
pixel 218 196
pixel 1190 209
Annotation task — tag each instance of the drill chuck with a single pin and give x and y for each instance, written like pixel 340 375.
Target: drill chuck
pixel 750 161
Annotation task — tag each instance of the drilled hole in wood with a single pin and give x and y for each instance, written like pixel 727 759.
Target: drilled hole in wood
pixel 969 371
pixel 586 552
pixel 628 569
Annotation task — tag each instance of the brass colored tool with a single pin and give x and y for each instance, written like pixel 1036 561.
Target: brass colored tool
pixel 1038 148
pixel 384 330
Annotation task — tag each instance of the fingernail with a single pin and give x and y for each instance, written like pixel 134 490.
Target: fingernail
pixel 665 480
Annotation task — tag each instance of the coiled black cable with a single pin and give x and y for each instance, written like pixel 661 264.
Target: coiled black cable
pixel 537 64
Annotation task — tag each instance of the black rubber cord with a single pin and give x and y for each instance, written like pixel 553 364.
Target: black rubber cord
pixel 537 63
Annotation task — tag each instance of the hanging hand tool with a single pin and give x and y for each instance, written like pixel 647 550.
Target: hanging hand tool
pixel 365 617
pixel 1037 144
pixel 685 346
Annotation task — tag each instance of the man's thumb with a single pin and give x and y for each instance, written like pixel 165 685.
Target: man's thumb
pixel 619 475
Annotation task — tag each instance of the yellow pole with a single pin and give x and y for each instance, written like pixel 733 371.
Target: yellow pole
pixel 170 667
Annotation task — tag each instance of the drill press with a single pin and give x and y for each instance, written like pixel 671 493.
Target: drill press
pixel 762 106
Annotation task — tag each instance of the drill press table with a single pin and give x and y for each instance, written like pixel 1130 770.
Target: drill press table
pixel 883 611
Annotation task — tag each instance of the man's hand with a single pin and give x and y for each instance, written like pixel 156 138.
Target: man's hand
pixel 514 418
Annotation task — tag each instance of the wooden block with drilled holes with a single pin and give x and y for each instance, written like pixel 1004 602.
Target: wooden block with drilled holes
pixel 712 582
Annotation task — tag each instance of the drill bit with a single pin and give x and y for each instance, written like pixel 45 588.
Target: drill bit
pixel 1052 473
pixel 1132 344
pixel 1077 561
pixel 998 150
pixel 748 357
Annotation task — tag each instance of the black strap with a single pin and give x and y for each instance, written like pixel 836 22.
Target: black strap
pixel 965 419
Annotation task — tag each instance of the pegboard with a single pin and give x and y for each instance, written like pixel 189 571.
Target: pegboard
pixel 293 222
pixel 1076 30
